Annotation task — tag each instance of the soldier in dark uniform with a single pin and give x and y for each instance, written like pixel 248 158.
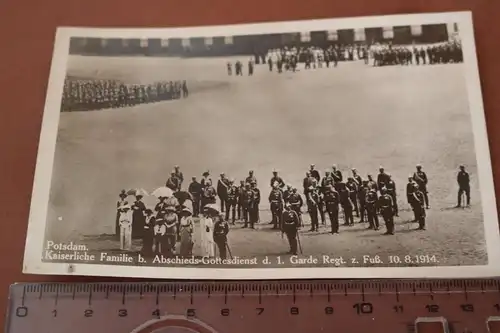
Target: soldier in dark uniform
pixel 463 180
pixel 422 55
pixel 420 178
pixel 410 188
pixel 386 206
pixel 251 178
pixel 382 178
pixel 391 190
pixel 307 182
pixel 221 229
pixel 277 179
pixel 371 208
pixel 248 199
pixel 287 193
pixel 270 64
pixel 185 90
pixel 254 217
pixel 314 173
pixel 179 175
pixel 327 181
pixel 209 194
pixel 276 205
pixel 241 199
pixel 296 203
pixel 231 201
pixel 279 64
pixel 290 226
pixel 312 207
pixel 332 200
pixel 353 193
pixel 222 185
pixel 173 182
pixel 371 183
pixel 345 202
pixel 250 68
pixel 195 189
pixel 362 192
pixel 418 206
pixel 229 68
pixel 357 178
pixel 336 174
pixel 238 68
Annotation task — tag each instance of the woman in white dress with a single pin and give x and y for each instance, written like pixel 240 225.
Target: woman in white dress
pixel 207 231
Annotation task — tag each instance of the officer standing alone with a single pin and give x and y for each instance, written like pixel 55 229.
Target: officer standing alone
pixel 463 180
pixel 290 226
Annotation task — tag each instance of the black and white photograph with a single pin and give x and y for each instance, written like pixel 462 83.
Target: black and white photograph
pixel 332 148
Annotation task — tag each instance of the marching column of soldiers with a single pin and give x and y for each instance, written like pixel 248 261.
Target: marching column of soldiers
pixel 387 55
pixel 84 95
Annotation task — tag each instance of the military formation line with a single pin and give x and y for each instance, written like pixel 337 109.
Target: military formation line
pixel 84 95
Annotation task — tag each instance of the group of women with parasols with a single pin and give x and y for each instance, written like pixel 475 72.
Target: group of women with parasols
pixel 168 223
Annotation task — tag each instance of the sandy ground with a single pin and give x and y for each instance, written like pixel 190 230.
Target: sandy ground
pixel 353 116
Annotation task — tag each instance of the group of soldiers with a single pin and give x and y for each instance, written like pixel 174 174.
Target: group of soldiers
pixel 332 195
pixel 83 95
pixel 386 55
pixel 288 58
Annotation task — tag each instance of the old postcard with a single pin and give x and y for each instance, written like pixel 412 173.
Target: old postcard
pixel 337 148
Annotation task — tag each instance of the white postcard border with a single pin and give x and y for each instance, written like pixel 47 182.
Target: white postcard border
pixel 46 151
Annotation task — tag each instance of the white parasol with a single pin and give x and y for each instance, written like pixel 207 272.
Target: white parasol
pixel 162 192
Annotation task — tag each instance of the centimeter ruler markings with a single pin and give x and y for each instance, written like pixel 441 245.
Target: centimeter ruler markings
pixel 259 289
pixel 397 304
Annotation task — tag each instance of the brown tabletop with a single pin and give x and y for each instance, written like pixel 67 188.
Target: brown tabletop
pixel 28 28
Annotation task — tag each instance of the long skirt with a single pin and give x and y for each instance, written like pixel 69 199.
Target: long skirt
pixel 186 246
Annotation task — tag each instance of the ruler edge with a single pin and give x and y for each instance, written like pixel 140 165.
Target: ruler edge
pixel 284 285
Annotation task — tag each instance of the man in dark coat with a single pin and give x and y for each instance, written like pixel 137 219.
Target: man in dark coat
pixel 312 207
pixel 386 207
pixel 222 185
pixel 382 178
pixel 418 206
pixel 221 229
pixel 371 208
pixel 276 205
pixel 173 182
pixel 232 200
pixel 290 227
pixel 196 190
pixel 314 173
pixel 463 180
pixel 277 179
pixel 179 175
pixel 336 174
pixel 332 200
pixel 420 177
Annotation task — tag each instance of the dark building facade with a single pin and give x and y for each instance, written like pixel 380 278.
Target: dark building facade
pixel 259 44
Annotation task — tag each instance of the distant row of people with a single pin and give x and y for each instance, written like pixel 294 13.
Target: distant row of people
pixel 386 55
pixel 87 94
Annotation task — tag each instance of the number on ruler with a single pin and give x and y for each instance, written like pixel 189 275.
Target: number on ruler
pixel 156 313
pixel 328 310
pixel 122 313
pixel 190 313
pixel 259 311
pixel 363 308
pixel 224 312
pixel 88 313
pixel 54 313
pixel 21 311
pixel 432 308
pixel 398 308
pixel 467 307
pixel 294 311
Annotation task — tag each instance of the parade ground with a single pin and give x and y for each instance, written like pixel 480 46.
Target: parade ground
pixel 354 115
